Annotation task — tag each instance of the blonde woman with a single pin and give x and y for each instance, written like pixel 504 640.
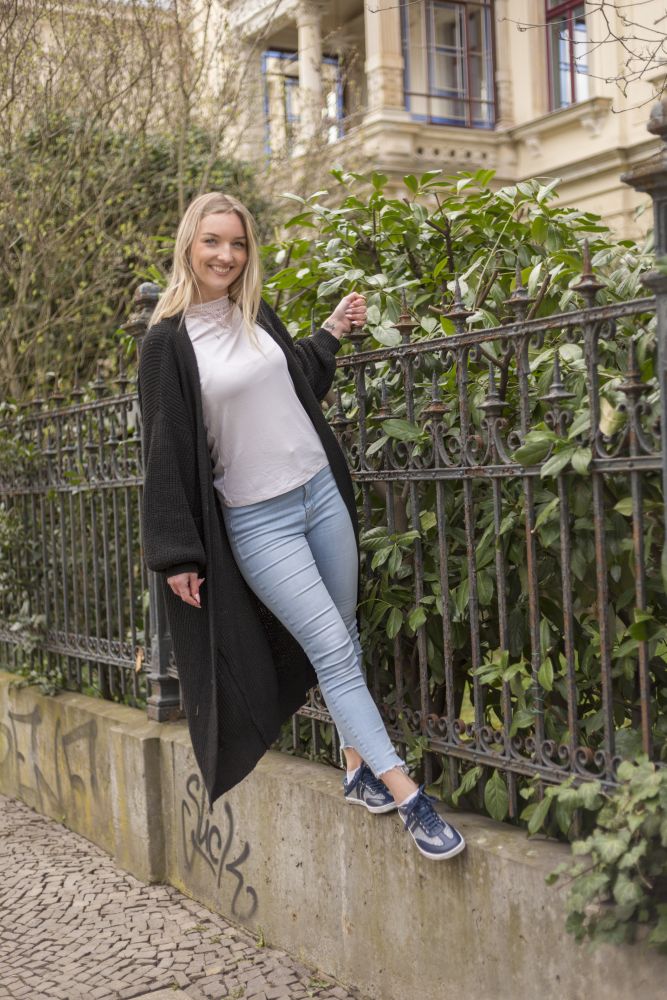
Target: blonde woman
pixel 249 516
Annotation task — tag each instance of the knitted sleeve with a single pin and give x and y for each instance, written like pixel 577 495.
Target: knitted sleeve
pixel 316 354
pixel 171 514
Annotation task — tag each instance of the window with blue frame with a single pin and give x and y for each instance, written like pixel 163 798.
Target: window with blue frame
pixel 567 52
pixel 448 55
pixel 280 72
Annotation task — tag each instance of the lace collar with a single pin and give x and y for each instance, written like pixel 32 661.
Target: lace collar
pixel 220 311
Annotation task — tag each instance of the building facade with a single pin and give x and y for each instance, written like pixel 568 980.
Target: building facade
pixel 528 88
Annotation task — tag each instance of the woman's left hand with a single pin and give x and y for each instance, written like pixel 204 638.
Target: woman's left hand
pixel 350 311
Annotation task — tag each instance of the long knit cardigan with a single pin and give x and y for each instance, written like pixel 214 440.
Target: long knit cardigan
pixel 241 673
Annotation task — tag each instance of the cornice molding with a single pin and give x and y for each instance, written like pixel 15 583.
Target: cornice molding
pixel 590 114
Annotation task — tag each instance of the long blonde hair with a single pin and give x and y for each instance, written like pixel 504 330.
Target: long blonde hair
pixel 180 292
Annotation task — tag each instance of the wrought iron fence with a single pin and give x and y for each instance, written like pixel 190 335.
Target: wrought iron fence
pixel 489 642
pixel 496 648
pixel 452 491
pixel 75 592
pixel 76 603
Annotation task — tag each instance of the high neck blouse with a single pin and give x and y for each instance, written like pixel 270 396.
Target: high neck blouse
pixel 261 441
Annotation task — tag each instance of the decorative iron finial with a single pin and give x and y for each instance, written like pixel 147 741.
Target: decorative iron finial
pixel 357 336
pixel 56 394
pixel 519 300
pixel 632 386
pixel 98 385
pixel 384 410
pixel 339 421
pixel 557 391
pixel 405 324
pixel 493 405
pixel 50 449
pixel 588 285
pixel 457 313
pixel 436 408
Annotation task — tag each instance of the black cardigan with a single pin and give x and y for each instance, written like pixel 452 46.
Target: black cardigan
pixel 241 674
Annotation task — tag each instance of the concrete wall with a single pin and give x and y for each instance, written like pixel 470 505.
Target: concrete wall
pixel 283 852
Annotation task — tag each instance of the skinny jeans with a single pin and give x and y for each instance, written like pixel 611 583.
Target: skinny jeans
pixel 298 553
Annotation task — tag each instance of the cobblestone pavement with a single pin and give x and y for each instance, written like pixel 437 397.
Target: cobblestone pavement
pixel 74 926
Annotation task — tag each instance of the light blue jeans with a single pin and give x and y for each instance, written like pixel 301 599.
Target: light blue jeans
pixel 298 553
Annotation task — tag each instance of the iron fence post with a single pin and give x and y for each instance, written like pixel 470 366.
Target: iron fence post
pixel 164 700
pixel 651 177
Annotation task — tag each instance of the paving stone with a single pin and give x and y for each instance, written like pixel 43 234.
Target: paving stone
pixel 83 929
pixel 164 995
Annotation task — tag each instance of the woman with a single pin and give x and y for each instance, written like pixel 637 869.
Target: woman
pixel 249 516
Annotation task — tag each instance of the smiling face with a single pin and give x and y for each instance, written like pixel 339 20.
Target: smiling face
pixel 219 254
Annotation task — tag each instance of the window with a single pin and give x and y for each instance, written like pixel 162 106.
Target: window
pixel 448 53
pixel 567 50
pixel 280 71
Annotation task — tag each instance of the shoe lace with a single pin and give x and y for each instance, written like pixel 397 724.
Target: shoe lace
pixel 376 785
pixel 424 813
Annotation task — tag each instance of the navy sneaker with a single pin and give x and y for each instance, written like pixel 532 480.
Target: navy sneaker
pixel 367 790
pixel 434 838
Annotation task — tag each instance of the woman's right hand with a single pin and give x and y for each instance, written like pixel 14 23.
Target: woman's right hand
pixel 186 586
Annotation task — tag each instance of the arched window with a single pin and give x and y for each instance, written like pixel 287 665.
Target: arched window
pixel 448 54
pixel 567 51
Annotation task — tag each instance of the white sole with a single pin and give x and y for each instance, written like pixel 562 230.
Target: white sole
pixel 376 810
pixel 442 857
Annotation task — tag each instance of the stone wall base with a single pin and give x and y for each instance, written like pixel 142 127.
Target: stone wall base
pixel 284 854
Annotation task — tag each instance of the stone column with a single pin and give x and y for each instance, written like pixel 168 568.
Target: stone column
pixel 384 56
pixel 275 111
pixel 503 65
pixel 249 126
pixel 309 27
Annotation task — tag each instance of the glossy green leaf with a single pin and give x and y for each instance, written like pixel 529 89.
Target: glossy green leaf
pixel 522 719
pixel 468 782
pixel 416 618
pixel 539 815
pixel 545 675
pixel 624 506
pixel 547 512
pixel 403 430
pixel 557 463
pixel 496 798
pixel 428 520
pixel 394 623
pixel 581 460
pixel 533 450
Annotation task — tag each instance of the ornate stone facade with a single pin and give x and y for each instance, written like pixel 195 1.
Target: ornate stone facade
pixel 356 63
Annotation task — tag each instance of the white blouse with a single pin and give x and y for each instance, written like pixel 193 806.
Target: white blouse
pixel 261 439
